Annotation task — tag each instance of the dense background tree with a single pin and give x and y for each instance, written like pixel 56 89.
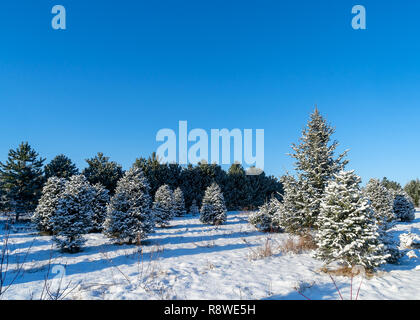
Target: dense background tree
pixel 413 190
pixel 236 187
pixel 158 173
pixel 22 179
pixel 101 170
pixel 391 185
pixel 60 167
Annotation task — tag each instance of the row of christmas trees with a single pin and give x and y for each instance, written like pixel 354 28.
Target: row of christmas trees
pixel 349 223
pixel 23 176
pixel 70 208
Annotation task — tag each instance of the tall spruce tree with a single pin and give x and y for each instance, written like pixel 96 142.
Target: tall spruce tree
pixel 101 170
pixel 391 185
pixel 22 179
pixel 213 209
pixel 315 166
pixel 129 216
pixel 348 232
pixel 60 167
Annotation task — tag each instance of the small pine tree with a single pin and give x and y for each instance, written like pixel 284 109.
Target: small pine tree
pixel 348 232
pixel 213 209
pixel 295 213
pixel 381 200
pixel 22 179
pixel 179 203
pixel 74 213
pixel 403 207
pixel 99 206
pixel 267 218
pixel 129 217
pixel 47 205
pixel 164 205
pixel 194 210
pixel 61 167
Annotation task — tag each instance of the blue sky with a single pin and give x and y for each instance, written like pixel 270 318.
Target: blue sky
pixel 122 70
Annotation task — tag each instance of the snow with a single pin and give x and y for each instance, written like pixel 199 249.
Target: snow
pixel 189 260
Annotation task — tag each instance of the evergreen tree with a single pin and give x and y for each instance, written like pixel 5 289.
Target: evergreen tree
pixel 99 206
pixel 413 190
pixel 164 205
pixel 158 173
pixel 391 185
pixel 129 217
pixel 381 200
pixel 190 183
pixel 348 232
pixel 236 188
pixel 295 214
pixel 179 203
pixel 22 179
pixel 101 170
pixel 61 167
pixel 213 209
pixel 267 218
pixel 194 210
pixel 47 205
pixel 403 207
pixel 315 165
pixel 74 213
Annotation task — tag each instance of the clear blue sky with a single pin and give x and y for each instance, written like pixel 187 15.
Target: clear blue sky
pixel 125 69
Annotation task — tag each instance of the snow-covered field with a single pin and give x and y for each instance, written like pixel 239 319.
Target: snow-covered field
pixel 190 260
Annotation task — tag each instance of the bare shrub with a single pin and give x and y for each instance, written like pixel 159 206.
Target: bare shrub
pixel 301 244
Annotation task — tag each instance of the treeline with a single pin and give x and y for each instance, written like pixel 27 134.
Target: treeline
pixel 24 174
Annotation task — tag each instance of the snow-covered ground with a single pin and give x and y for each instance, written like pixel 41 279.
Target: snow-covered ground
pixel 190 260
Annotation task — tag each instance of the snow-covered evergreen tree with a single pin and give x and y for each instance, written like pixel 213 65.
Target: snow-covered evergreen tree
pixel 381 200
pixel 348 232
pixel 295 214
pixel 403 206
pixel 74 213
pixel 179 203
pixel 194 210
pixel 315 165
pixel 129 217
pixel 213 208
pixel 164 205
pixel 47 205
pixel 99 206
pixel 267 218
